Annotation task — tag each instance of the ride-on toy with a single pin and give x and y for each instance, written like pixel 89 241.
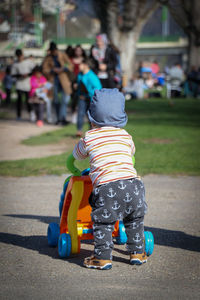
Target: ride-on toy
pixel 75 221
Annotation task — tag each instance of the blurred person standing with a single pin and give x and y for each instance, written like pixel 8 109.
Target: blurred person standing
pixel 88 82
pixel 56 68
pixel 21 71
pixel 105 61
pixel 176 78
pixel 8 82
pixel 78 57
pixel 192 79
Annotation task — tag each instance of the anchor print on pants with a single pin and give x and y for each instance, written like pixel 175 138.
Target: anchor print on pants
pixel 99 235
pixel 120 216
pixel 116 205
pixel 106 214
pixel 138 213
pixel 141 186
pixel 107 246
pixel 127 198
pixel 114 202
pixel 96 191
pixel 111 193
pixel 101 201
pixel 139 247
pixel 109 228
pixel 122 186
pixel 95 226
pixel 128 210
pixel 137 238
pixel 140 203
pixel 134 225
pixel 97 251
pixel 136 191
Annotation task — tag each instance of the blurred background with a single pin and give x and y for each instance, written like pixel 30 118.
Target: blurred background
pixel 153 45
pixel 148 49
pixel 163 32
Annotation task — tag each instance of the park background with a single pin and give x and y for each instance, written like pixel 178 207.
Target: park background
pixel 167 138
pixel 165 131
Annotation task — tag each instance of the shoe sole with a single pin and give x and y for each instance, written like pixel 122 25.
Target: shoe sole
pixel 106 267
pixel 137 262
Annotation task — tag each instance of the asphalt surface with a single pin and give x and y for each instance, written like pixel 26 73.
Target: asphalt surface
pixel 32 270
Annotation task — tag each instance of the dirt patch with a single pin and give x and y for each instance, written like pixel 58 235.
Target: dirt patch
pixel 12 133
pixel 158 141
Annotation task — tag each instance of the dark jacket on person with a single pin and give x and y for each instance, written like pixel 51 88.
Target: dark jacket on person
pixel 110 60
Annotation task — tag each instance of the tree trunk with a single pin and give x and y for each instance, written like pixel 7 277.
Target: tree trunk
pixel 124 28
pixel 187 15
pixel 194 53
pixel 127 42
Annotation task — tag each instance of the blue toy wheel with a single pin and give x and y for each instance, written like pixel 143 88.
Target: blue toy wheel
pixel 53 233
pixel 85 172
pixel 149 242
pixel 122 237
pixel 64 245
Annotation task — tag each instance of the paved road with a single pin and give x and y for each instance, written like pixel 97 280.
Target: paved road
pixel 32 270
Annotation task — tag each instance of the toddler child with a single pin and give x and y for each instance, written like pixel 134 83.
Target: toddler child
pixel 118 194
pixel 38 95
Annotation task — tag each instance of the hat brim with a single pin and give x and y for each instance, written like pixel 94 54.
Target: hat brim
pixel 119 124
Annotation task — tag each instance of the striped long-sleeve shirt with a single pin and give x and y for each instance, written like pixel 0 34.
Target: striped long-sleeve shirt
pixel 110 152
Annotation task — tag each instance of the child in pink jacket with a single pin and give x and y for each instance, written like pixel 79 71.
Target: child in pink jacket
pixel 38 95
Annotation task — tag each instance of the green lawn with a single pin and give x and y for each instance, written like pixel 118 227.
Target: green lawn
pixel 167 139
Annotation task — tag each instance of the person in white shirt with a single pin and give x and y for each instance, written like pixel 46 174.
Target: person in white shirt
pixel 176 78
pixel 21 71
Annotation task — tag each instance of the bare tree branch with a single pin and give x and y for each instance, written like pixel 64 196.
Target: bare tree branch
pixel 187 15
pixel 145 15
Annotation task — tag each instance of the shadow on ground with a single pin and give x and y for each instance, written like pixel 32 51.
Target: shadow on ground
pixel 163 237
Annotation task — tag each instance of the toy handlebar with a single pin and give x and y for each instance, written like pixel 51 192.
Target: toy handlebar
pixel 70 165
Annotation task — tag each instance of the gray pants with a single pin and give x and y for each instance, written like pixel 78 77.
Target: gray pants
pixel 118 200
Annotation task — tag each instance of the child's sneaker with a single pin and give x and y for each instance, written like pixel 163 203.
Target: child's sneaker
pixel 138 258
pixel 100 264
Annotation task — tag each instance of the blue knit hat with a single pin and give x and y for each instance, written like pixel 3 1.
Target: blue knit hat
pixel 108 108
